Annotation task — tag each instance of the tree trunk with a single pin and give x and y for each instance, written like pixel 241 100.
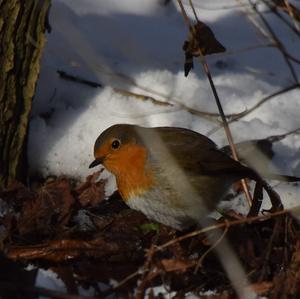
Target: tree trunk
pixel 22 39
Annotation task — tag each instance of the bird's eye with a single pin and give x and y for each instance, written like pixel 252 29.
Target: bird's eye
pixel 116 144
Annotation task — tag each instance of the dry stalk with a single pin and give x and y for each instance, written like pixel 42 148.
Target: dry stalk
pixel 249 15
pixel 291 13
pixel 218 102
pixel 274 10
pixel 273 36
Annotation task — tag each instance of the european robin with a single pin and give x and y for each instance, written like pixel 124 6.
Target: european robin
pixel 173 175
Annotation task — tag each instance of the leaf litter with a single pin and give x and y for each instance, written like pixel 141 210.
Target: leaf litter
pixel 40 227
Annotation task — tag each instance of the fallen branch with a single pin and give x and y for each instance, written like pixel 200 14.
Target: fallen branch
pixel 64 250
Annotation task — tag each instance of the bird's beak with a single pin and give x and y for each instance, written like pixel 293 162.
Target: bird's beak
pixel 96 162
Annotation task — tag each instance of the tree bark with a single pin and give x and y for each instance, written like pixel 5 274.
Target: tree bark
pixel 22 39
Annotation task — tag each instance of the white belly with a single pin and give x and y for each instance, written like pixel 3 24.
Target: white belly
pixel 163 211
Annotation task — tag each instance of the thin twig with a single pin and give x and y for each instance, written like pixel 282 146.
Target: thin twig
pixel 279 137
pixel 223 7
pixel 208 115
pixel 268 251
pixel 249 15
pixel 120 284
pixel 194 11
pixel 212 247
pixel 147 274
pixel 257 105
pixel 266 35
pixel 286 244
pixel 276 41
pixel 247 49
pixel 274 10
pixel 142 97
pixel 228 224
pixel 265 99
pixel 184 14
pixel 218 102
pixel 292 15
pixel 292 58
pixel 78 79
pixel 171 102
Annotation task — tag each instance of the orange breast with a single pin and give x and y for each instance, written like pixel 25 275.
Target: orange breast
pixel 129 165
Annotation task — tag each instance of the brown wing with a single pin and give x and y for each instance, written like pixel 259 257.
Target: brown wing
pixel 198 155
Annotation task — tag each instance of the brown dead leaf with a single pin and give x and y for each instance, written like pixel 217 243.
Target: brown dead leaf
pixel 261 288
pixel 292 281
pixel 201 40
pixel 88 272
pixel 91 192
pixel 176 265
pixel 49 211
pixel 115 247
pixel 101 222
pixel 16 195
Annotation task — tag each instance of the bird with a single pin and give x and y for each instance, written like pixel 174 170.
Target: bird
pixel 173 175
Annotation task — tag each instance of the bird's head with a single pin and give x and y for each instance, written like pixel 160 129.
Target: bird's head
pixel 121 151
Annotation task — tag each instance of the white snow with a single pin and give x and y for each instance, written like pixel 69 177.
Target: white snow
pixel 123 44
pixel 49 279
pixel 137 46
